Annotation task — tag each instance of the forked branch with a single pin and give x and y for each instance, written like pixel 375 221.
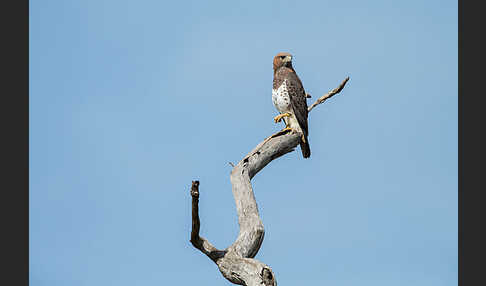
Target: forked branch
pixel 237 263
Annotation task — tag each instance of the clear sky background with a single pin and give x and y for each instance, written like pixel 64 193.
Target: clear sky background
pixel 131 100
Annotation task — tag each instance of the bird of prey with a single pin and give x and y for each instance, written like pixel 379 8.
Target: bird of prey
pixel 290 99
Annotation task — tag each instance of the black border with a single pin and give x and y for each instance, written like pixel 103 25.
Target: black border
pixel 471 145
pixel 15 139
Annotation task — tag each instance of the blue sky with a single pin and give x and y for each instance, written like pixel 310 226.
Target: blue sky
pixel 131 100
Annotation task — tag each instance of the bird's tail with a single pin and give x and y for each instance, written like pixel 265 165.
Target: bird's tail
pixel 304 146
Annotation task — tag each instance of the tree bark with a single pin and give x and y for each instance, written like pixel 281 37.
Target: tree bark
pixel 236 263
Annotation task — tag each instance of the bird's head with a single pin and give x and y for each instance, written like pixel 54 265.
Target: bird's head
pixel 282 60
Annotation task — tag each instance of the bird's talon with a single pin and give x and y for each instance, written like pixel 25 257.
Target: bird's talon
pixel 287 129
pixel 279 117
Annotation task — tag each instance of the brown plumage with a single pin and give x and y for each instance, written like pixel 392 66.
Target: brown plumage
pixel 288 96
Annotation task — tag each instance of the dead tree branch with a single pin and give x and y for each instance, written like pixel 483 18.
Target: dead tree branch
pixel 199 242
pixel 329 94
pixel 237 263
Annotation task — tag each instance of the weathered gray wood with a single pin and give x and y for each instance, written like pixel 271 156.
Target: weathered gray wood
pixel 329 94
pixel 236 263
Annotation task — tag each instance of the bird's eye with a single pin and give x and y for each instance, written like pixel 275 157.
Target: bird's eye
pixel 282 57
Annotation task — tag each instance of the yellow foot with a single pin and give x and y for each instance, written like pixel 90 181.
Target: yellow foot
pixel 287 129
pixel 279 117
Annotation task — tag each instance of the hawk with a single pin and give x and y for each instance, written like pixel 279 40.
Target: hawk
pixel 290 99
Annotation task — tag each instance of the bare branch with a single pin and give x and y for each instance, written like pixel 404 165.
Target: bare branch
pixel 329 94
pixel 237 263
pixel 199 242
